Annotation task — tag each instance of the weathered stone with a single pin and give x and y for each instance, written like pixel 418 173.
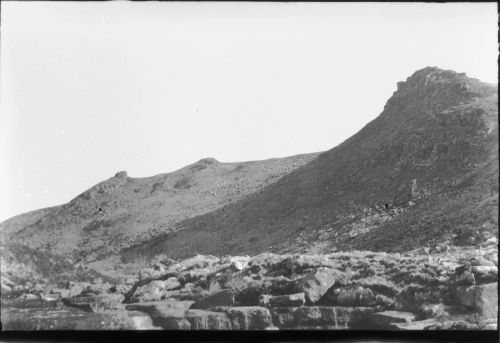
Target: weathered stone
pixel 167 314
pixel 337 316
pixel 64 319
pixel 95 303
pixel 431 324
pixel 480 261
pixel 147 273
pixel 156 290
pixel 482 298
pixel 249 318
pixel 239 262
pixel 384 301
pixel 222 298
pixel 381 320
pixel 317 282
pixel 142 321
pixel 358 296
pixel 28 296
pixel 485 274
pixel 172 283
pixel 466 278
pixel 199 262
pixel 264 300
pixel 207 320
pixel 291 300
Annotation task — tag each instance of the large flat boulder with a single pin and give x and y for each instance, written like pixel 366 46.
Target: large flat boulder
pixel 208 320
pixel 320 316
pixel 221 298
pixel 249 318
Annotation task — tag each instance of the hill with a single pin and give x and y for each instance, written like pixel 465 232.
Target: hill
pixel 123 210
pixel 424 171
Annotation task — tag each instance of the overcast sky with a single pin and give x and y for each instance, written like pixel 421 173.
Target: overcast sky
pixel 91 88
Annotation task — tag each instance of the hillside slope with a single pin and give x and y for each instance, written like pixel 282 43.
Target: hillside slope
pixel 123 210
pixel 424 171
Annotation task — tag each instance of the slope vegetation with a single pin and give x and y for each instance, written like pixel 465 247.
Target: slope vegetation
pixel 123 210
pixel 424 171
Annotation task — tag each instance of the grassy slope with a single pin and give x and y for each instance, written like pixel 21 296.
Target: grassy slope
pixel 439 128
pixel 122 210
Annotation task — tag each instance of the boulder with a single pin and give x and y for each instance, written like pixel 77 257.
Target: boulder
pixel 381 320
pixel 152 291
pixel 290 300
pixel 27 296
pixel 439 310
pixel 482 299
pixel 168 314
pixel 480 261
pixel 95 303
pixel 358 296
pixel 142 321
pixel 199 262
pixel 147 273
pixel 249 318
pixel 384 301
pixel 466 278
pixel 238 263
pixel 221 298
pixel 317 282
pixel 485 274
pixel 207 320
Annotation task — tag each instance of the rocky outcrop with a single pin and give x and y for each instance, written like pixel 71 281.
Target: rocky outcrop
pixel 354 290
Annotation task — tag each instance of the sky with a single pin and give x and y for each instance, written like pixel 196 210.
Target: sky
pixel 91 88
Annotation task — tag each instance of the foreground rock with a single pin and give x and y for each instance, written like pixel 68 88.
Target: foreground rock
pixel 482 299
pixel 169 315
pixel 355 290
